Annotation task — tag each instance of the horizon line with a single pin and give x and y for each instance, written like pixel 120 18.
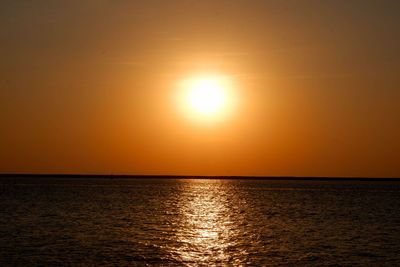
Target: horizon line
pixel 168 176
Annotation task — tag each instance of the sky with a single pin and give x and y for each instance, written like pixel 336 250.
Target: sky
pixel 93 86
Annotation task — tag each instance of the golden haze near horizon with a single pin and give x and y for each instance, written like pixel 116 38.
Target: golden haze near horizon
pixel 269 88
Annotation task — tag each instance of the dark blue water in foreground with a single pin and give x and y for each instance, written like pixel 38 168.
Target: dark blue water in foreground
pixel 55 221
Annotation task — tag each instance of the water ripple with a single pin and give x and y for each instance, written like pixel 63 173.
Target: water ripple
pixel 198 222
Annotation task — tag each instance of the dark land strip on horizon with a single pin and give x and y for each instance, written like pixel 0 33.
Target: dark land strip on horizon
pixel 127 176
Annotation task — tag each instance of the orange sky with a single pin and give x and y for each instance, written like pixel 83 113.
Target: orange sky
pixel 90 87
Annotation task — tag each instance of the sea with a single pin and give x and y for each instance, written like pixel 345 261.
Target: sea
pixel 53 221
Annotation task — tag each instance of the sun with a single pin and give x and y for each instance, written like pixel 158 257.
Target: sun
pixel 206 95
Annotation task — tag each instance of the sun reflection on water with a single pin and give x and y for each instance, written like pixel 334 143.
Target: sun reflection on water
pixel 206 231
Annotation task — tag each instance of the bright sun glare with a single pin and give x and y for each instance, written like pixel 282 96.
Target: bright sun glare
pixel 206 95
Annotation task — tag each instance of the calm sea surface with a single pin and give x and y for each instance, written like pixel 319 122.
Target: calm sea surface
pixel 56 221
